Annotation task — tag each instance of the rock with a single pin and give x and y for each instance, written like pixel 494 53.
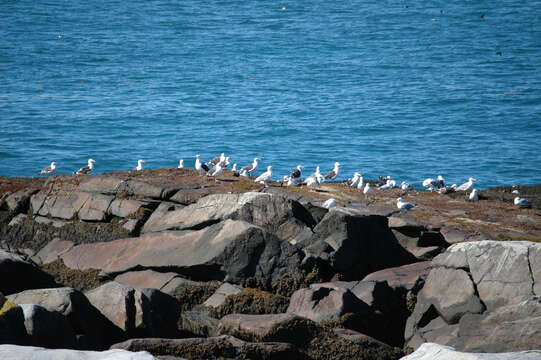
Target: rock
pixel 169 282
pixel 63 206
pixel 125 208
pixel 18 220
pixel 15 352
pixel 230 250
pixel 96 331
pixel 117 302
pixel 18 201
pixel 432 351
pixel 218 298
pixel 47 328
pixel 471 285
pixel 497 331
pixel 52 251
pixel 160 314
pixel 198 323
pixel 252 301
pixel 213 347
pixel 130 226
pixel 276 214
pixel 270 327
pixel 372 293
pixel 112 185
pixel 359 244
pixel 325 303
pixel 405 277
pixel 18 274
pixel 12 327
pixel 163 209
pixel 95 208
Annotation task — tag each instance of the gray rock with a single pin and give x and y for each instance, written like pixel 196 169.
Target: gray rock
pixel 283 217
pixel 130 226
pixel 15 352
pixel 405 277
pixel 95 208
pixel 18 274
pixel 95 329
pixel 373 293
pixel 117 302
pixel 218 298
pixel 47 328
pixel 162 210
pixel 52 251
pixel 18 220
pixel 157 314
pixel 325 303
pixel 125 208
pixel 63 206
pixel 198 323
pixel 169 283
pixel 432 351
pixel 230 251
pixel 18 201
pixel 215 347
pixel 258 327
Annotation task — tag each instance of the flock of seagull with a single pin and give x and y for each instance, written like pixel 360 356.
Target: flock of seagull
pixel 217 165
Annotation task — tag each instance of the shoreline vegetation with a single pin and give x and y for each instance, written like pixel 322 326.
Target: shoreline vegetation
pixel 172 262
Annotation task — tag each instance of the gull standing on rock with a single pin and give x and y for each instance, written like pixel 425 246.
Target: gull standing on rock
pixel 217 160
pixel 48 169
pixel 181 164
pixel 333 174
pixel 402 205
pixel 139 165
pixel 360 183
pixel 252 167
pixel 265 177
pixel 355 180
pixel 329 203
pixel 466 186
pixel 199 165
pixel 216 171
pixel 313 180
pixel 295 175
pixel 406 186
pixel 88 168
pixel 474 196
pixel 367 189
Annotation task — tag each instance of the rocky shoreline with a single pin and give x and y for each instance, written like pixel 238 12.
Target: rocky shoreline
pixel 172 263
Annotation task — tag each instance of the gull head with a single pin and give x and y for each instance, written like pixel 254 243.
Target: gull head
pixel 91 161
pixel 399 200
pixel 269 168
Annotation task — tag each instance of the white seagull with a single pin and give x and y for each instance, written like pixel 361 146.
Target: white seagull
pixel 88 168
pixel 329 203
pixel 199 165
pixel 295 175
pixel 314 179
pixel 474 196
pixel 244 173
pixel 406 186
pixel 355 180
pixel 217 160
pixel 265 177
pixel 181 164
pixel 466 186
pixel 522 202
pixel 252 167
pixel 388 185
pixel 48 169
pixel 402 205
pixel 215 171
pixel 140 165
pixel 367 189
pixel 360 184
pixel 333 174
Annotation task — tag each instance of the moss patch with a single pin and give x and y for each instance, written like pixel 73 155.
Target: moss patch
pixel 196 294
pixel 81 280
pixel 251 301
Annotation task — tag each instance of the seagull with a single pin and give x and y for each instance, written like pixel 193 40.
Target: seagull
pixel 367 189
pixel 329 203
pixel 406 186
pixel 88 168
pixel 355 180
pixel 333 174
pixel 48 169
pixel 265 177
pixel 441 182
pixel 360 184
pixel 403 205
pixel 430 184
pixel 199 165
pixel 139 165
pixel 522 202
pixel 296 174
pixel 252 167
pixel 314 179
pixel 216 160
pixel 474 196
pixel 389 185
pixel 181 164
pixel 466 186
pixel 243 173
pixel 215 171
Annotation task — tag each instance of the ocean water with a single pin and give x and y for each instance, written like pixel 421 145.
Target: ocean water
pixel 404 88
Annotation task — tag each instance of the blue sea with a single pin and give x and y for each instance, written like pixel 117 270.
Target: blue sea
pixel 411 89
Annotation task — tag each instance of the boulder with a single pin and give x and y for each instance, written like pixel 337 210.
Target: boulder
pixel 224 346
pixel 18 201
pixel 52 251
pixel 281 216
pixel 405 277
pixel 12 326
pixel 325 303
pixel 18 274
pixel 218 298
pixel 472 290
pixel 47 328
pixel 163 209
pixel 168 282
pixel 357 244
pixel 157 314
pixel 230 251
pixel 95 208
pixel 432 351
pixel 198 323
pixel 111 185
pixel 94 331
pixel 15 352
pixel 125 208
pixel 269 327
pixel 63 205
pixel 117 302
